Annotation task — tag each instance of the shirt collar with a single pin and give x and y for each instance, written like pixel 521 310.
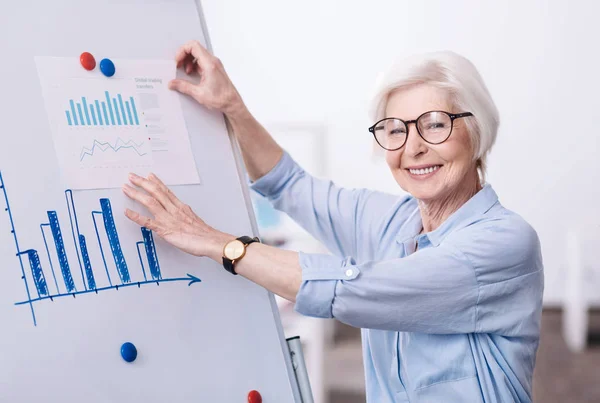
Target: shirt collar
pixel 479 204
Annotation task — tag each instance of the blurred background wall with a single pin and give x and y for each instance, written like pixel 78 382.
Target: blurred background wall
pixel 305 69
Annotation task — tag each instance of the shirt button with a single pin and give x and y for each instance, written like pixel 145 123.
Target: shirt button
pixel 349 272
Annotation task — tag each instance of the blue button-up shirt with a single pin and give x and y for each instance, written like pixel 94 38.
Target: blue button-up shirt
pixel 452 315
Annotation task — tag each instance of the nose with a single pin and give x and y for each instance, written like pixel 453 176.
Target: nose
pixel 415 145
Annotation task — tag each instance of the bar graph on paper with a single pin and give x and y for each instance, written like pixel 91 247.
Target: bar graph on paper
pixel 51 273
pixel 109 110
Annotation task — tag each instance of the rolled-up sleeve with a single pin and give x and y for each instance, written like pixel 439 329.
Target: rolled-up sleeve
pixel 431 291
pixel 493 285
pixel 320 276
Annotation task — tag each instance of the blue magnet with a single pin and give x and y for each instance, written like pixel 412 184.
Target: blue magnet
pixel 128 352
pixel 107 67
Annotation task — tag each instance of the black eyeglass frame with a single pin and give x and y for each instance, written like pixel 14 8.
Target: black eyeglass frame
pixel 452 117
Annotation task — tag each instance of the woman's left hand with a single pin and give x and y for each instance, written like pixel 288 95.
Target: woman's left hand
pixel 173 220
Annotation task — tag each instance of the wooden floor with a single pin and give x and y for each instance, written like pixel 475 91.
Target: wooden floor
pixel 560 376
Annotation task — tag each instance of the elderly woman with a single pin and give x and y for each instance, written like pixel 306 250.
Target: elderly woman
pixel 445 283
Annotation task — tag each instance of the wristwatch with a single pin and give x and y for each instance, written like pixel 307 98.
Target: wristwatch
pixel 235 250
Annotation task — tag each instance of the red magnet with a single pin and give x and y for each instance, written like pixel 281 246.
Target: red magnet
pixel 254 397
pixel 87 61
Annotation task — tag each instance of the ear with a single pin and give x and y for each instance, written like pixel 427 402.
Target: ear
pixel 480 170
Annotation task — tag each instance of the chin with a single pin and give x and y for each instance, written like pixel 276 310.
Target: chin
pixel 429 190
pixel 424 193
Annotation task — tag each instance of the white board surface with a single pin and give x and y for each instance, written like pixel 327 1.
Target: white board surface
pixel 212 340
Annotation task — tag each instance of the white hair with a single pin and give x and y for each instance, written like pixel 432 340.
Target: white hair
pixel 466 90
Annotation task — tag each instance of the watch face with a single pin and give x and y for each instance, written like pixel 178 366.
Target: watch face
pixel 234 250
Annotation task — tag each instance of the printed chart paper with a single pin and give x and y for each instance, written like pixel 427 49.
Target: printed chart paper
pixel 105 127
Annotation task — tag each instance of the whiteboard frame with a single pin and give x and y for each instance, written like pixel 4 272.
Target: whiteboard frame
pixel 242 174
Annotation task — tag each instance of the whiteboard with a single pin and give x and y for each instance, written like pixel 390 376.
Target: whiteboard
pixel 201 333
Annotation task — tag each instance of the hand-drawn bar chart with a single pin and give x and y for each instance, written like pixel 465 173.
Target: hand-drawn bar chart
pixel 54 243
pixel 108 111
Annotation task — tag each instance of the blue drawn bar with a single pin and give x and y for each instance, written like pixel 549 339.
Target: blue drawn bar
pixel 80 114
pixel 36 272
pixel 73 214
pixel 69 118
pixel 112 116
pixel 48 252
pixel 116 111
pixel 99 112
pixel 60 251
pixel 14 232
pixel 93 115
pixel 73 112
pixel 129 112
pixel 135 115
pixel 85 109
pixel 122 109
pixel 86 262
pixel 105 114
pixel 94 213
pixel 137 245
pixel 113 240
pixel 151 254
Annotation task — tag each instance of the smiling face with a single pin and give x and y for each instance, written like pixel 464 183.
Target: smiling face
pixel 430 172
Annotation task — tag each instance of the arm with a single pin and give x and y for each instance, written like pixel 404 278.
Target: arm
pixel 215 90
pixel 344 220
pixel 484 278
pixel 275 269
pixel 329 213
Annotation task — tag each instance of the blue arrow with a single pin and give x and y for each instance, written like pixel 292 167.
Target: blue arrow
pixel 190 278
pixel 194 279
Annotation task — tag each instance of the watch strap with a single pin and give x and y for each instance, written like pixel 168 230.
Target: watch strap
pixel 229 264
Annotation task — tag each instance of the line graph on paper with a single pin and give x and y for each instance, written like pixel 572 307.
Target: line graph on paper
pixel 105 150
pixel 51 273
pixel 98 147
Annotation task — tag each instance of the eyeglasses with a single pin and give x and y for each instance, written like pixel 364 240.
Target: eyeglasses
pixel 434 127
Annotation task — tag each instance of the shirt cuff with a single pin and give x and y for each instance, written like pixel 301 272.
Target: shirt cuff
pixel 320 276
pixel 271 184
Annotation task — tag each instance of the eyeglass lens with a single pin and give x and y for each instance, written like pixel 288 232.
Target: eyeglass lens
pixel 434 127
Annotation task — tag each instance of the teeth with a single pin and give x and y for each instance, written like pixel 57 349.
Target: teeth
pixel 424 171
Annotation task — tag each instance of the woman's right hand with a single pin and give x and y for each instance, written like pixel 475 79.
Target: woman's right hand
pixel 214 90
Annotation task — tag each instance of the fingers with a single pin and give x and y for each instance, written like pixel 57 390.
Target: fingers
pixel 141 220
pixel 144 199
pixel 166 191
pixel 156 192
pixel 190 67
pixel 194 49
pixel 193 90
pixel 186 212
pixel 159 198
pixel 183 86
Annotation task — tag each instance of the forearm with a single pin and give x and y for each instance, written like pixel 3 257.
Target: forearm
pixel 259 150
pixel 275 269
